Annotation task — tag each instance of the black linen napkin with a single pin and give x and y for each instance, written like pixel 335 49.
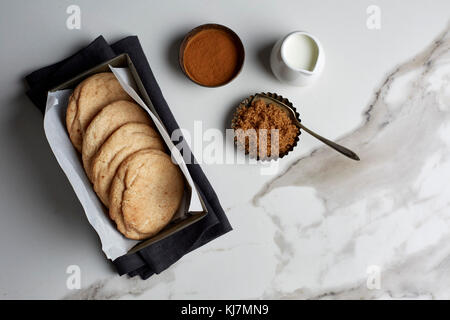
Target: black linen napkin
pixel 159 256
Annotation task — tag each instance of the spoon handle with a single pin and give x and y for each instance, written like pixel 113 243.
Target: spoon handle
pixel 346 152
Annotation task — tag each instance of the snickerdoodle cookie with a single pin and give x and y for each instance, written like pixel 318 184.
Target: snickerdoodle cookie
pixel 88 98
pixel 126 140
pixel 111 117
pixel 145 193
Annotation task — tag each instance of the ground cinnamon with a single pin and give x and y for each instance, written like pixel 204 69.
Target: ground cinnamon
pixel 211 57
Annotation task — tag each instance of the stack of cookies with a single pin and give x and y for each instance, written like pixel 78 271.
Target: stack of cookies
pixel 124 157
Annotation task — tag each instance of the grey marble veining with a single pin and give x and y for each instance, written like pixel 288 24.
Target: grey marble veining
pixel 393 206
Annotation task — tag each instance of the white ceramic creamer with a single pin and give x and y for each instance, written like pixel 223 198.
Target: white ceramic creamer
pixel 297 59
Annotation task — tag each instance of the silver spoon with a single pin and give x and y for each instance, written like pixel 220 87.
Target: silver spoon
pixel 346 152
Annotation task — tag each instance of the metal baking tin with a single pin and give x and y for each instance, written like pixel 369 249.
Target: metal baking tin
pixel 123 61
pixel 281 102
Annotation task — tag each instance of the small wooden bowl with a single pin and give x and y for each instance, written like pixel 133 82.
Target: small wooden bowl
pixel 237 41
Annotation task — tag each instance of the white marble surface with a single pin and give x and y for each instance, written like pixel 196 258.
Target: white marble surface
pixel 310 231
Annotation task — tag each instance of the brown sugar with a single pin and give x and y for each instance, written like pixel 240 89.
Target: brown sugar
pixel 211 57
pixel 258 123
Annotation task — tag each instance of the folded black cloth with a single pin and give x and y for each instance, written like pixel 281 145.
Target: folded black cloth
pixel 162 254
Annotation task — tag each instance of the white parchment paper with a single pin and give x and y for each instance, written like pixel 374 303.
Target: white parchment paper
pixel 114 244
